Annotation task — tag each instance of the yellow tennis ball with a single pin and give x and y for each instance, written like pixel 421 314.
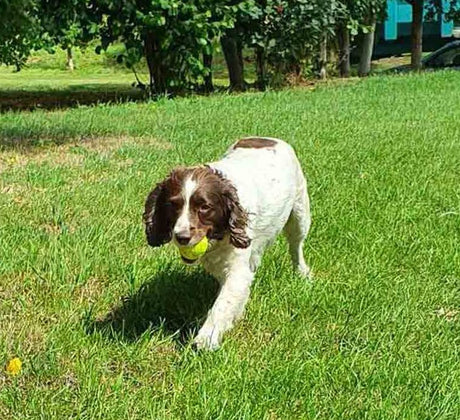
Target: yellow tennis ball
pixel 13 367
pixel 196 251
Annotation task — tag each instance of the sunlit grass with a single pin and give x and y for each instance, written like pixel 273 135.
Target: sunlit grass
pixel 102 323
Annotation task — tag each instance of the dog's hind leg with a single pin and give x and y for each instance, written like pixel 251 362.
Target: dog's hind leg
pixel 297 227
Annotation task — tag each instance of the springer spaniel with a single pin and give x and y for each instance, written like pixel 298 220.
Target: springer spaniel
pixel 240 203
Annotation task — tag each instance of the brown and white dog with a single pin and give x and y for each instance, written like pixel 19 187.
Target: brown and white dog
pixel 241 203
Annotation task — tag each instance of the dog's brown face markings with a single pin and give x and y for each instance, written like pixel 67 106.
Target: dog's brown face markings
pixel 254 143
pixel 213 208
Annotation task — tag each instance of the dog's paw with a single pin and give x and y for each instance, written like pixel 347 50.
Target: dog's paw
pixel 305 271
pixel 207 339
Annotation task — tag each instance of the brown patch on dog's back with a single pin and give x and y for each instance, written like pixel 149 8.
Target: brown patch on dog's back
pixel 254 143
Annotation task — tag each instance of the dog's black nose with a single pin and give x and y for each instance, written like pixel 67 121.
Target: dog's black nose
pixel 183 239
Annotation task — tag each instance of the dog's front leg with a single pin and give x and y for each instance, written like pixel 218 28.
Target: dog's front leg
pixel 227 308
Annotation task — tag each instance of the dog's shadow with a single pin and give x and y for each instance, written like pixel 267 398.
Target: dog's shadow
pixel 175 302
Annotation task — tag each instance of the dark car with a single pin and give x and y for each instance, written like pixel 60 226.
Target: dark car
pixel 447 57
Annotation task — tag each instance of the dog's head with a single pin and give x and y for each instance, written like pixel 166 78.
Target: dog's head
pixel 192 203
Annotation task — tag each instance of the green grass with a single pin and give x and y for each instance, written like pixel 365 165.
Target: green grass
pixel 102 323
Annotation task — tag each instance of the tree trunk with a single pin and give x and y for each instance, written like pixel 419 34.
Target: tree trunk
pixel 367 47
pixel 207 62
pixel 239 49
pixel 344 50
pixel 417 34
pixel 234 59
pixel 323 58
pixel 70 65
pixel 260 68
pixel 158 77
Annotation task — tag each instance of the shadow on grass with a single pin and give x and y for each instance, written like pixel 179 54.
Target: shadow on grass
pixel 175 302
pixel 84 94
pixel 73 96
pixel 24 136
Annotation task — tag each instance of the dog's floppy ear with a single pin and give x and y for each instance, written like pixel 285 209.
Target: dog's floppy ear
pixel 238 220
pixel 158 221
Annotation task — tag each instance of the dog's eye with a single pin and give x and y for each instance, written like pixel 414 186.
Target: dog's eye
pixel 204 208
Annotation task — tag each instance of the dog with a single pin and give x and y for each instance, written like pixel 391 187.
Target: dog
pixel 240 203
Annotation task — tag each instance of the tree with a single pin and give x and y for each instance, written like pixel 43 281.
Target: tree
pixel 232 48
pixel 65 24
pixel 19 32
pixel 172 35
pixel 245 15
pixel 430 8
pixel 416 33
pixel 322 59
pixel 371 12
pixel 358 16
pixel 287 35
pixel 367 47
pixel 344 41
pixel 34 24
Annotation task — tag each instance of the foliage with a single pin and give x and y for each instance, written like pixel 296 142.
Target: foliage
pixel 66 23
pixel 453 12
pixel 33 24
pixel 450 8
pixel 359 12
pixel 291 30
pixel 286 33
pixel 172 35
pixel 19 32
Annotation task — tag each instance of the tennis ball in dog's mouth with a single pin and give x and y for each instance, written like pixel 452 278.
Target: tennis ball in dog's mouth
pixel 194 252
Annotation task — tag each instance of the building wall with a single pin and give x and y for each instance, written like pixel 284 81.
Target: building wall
pixel 393 37
pixel 399 17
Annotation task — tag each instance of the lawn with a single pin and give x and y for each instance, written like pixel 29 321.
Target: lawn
pixel 103 323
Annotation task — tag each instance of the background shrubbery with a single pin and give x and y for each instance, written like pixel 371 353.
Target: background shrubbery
pixel 178 38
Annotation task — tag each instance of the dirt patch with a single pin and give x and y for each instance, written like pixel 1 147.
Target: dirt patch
pixel 390 62
pixel 447 314
pixel 89 291
pixel 111 143
pixel 12 189
pixel 73 153
pixel 57 229
pixel 11 100
pixel 19 315
pixel 54 156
